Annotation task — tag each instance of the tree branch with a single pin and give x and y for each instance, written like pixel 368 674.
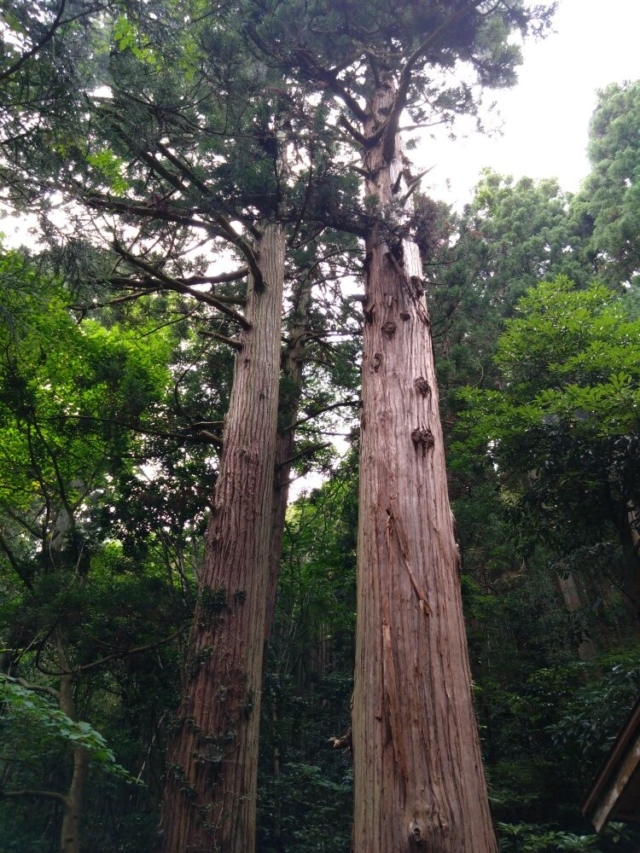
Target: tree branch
pixel 217 279
pixel 156 433
pixel 41 688
pixel 355 134
pixel 14 563
pixel 308 451
pixel 34 793
pixel 184 168
pixel 57 23
pixel 179 287
pixel 115 656
pixel 97 201
pixel 232 342
pixel 400 100
pixel 330 78
pixel 320 412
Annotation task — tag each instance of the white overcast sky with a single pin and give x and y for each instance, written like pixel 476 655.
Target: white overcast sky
pixel 546 116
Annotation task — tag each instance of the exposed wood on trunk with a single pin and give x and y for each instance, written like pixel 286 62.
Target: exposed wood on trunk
pixel 210 794
pixel 419 780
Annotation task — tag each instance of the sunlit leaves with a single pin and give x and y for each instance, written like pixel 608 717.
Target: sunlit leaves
pixel 69 392
pixel 111 168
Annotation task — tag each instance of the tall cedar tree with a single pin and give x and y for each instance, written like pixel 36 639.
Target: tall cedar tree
pixel 190 137
pixel 419 780
pixel 212 775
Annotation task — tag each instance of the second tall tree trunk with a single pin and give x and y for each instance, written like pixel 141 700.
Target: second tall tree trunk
pixel 210 795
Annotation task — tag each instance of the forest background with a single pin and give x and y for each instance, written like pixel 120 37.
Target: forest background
pixel 114 389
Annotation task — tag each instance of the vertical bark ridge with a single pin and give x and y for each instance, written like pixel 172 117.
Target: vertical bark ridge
pixel 210 793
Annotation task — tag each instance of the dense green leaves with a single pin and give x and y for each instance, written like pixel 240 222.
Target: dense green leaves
pixel 607 208
pixel 33 727
pixel 562 430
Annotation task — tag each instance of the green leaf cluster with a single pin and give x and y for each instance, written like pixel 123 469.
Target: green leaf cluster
pixel 31 721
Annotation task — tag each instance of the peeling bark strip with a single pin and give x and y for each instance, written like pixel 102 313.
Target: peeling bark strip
pixel 210 793
pixel 419 781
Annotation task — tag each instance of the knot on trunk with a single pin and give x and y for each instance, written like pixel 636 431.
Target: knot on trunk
pixel 377 361
pixel 416 838
pixel 422 437
pixel 389 329
pixel 422 386
pixel 418 288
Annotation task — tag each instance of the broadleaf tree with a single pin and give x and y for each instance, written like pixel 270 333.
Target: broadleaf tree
pixel 71 396
pixel 562 428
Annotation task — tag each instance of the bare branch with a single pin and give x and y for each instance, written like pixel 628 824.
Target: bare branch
pixel 355 134
pixel 123 653
pixel 34 793
pixel 330 78
pixel 217 279
pixel 184 168
pixel 308 451
pixel 113 205
pixel 41 688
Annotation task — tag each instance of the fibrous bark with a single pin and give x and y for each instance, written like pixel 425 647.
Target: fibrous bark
pixel 419 780
pixel 210 793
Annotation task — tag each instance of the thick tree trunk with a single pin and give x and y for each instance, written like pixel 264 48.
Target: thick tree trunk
pixel 573 602
pixel 210 795
pixel 419 779
pixel 626 522
pixel 70 836
pixel 289 403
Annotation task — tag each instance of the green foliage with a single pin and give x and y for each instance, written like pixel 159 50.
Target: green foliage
pixel 607 209
pixel 31 722
pixel 538 482
pixel 111 168
pixel 531 838
pixel 311 811
pixel 563 429
pixel 511 235
pixel 305 785
pixel 592 716
pixel 350 32
pixel 72 397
